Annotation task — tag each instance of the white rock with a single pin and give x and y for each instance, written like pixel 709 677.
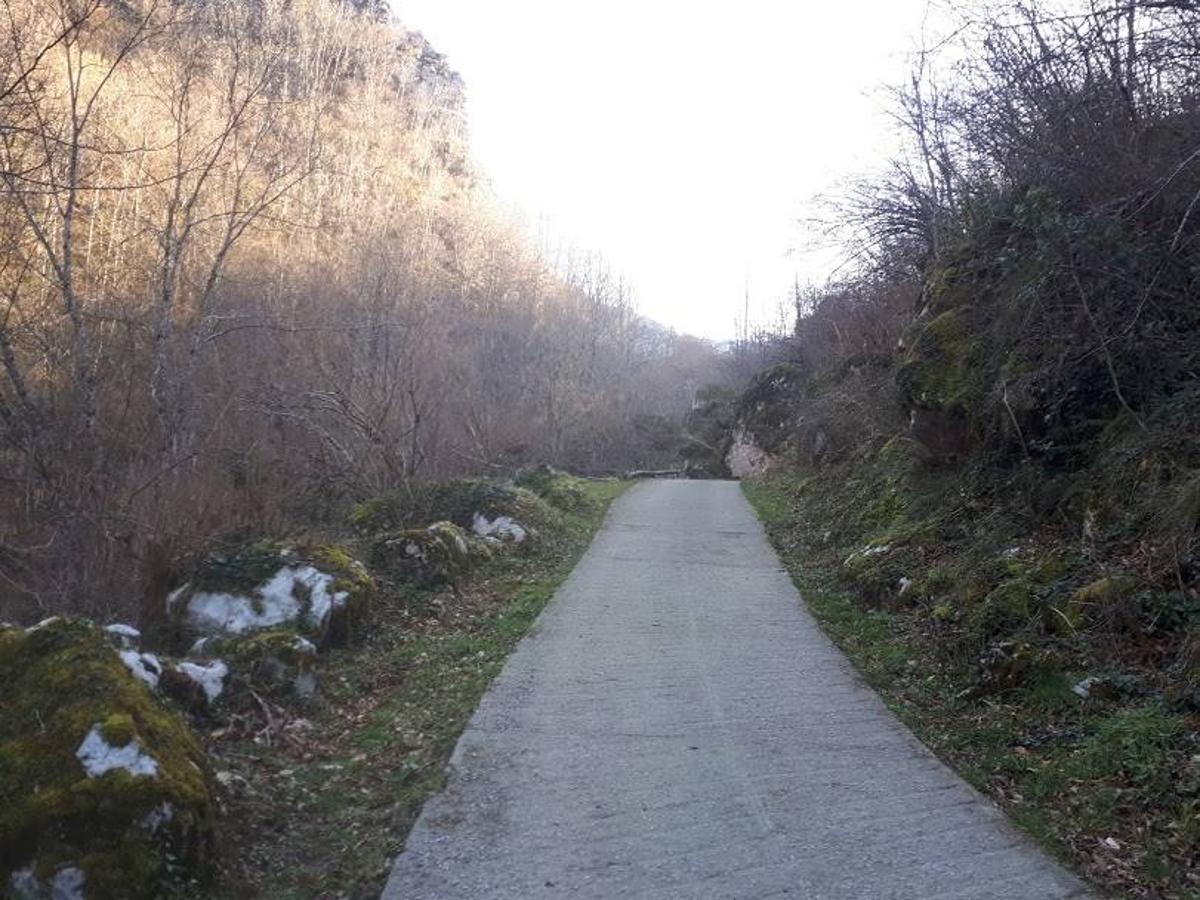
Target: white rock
pixel 99 756
pixel 210 677
pixel 502 527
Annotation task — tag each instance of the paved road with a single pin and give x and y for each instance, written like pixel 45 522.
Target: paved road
pixel 678 727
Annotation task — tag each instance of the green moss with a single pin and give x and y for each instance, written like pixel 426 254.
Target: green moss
pixel 273 663
pixel 941 371
pixel 1011 605
pixel 560 490
pixel 456 501
pixel 62 680
pixel 240 569
pixel 1107 590
pixel 438 554
pixel 118 729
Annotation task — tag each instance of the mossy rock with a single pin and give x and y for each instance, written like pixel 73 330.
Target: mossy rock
pixel 767 410
pixel 457 501
pixel 557 488
pixel 278 663
pixel 439 554
pixel 1105 591
pixel 317 589
pixel 1099 599
pixel 941 371
pixel 879 570
pixel 1007 666
pixel 98 779
pixel 942 383
pixel 1041 569
pixel 704 460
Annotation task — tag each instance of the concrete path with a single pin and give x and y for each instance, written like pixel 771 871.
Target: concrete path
pixel 678 727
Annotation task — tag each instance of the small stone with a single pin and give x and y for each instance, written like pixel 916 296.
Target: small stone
pixel 1084 688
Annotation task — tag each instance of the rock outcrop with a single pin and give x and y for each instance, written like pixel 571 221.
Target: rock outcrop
pixel 104 790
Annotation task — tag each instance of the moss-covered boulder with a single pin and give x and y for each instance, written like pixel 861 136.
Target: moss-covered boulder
pixel 941 380
pixel 438 554
pixel 708 429
pixel 559 489
pixel 462 502
pixel 1006 666
pixel 278 663
pixel 319 590
pixel 104 791
pixel 1009 607
pixel 1098 595
pixel 767 412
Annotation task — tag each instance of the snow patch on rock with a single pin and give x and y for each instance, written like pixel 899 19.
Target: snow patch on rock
pixel 502 528
pixel 274 602
pixel 24 885
pixel 126 635
pixel 210 677
pixel 99 756
pixel 144 666
pixel 67 884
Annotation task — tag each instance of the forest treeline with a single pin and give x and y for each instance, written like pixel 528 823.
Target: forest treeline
pixel 986 432
pixel 249 274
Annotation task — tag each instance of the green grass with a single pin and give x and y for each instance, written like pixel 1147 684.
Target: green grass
pixel 324 815
pixel 1111 784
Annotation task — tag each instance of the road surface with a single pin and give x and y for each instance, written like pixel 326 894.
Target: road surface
pixel 677 726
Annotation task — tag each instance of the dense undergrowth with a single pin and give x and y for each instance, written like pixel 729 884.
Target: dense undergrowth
pixel 983 635
pixel 318 798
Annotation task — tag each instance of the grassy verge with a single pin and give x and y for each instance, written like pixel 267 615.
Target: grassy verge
pixel 319 801
pixel 1110 783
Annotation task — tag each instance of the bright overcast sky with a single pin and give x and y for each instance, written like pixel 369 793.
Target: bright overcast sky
pixel 680 141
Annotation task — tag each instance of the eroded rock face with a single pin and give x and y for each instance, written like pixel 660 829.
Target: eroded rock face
pixel 746 458
pixel 320 591
pixel 104 790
